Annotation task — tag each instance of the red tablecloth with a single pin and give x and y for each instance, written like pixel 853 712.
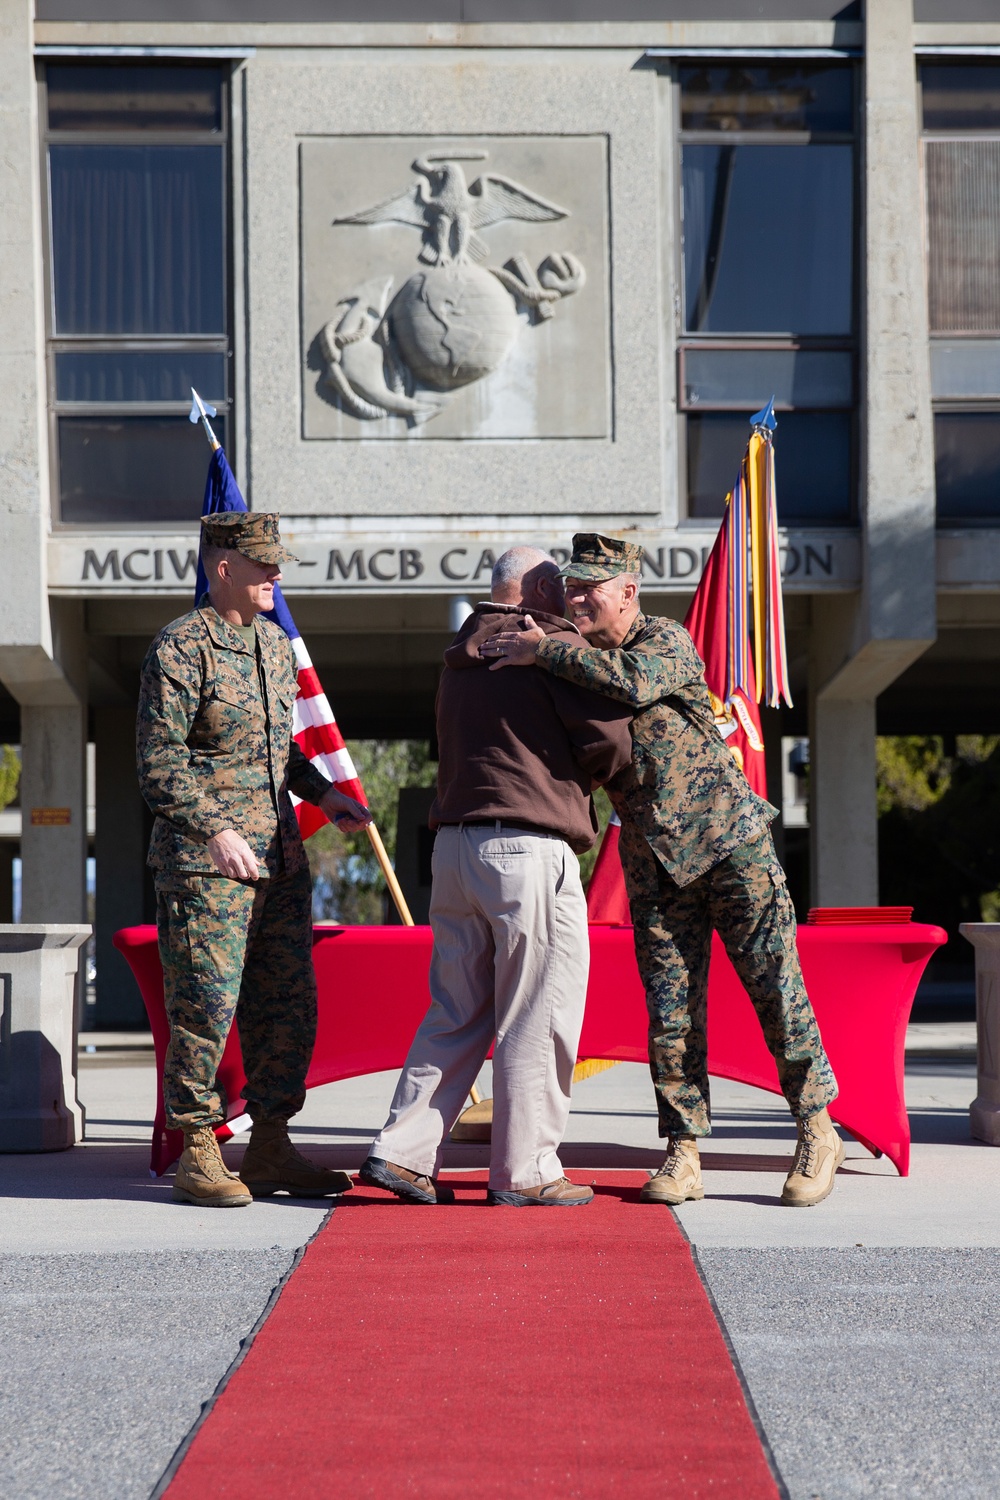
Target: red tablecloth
pixel 373 994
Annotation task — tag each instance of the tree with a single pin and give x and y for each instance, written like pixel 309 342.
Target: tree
pixel 939 829
pixel 347 883
pixel 10 774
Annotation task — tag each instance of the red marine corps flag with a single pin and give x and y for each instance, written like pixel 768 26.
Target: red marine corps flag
pixel 737 716
pixel 738 601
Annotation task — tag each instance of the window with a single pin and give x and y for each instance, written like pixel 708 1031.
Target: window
pixel 961 125
pixel 767 270
pixel 138 235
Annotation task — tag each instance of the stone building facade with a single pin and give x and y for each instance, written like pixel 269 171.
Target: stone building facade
pixel 463 273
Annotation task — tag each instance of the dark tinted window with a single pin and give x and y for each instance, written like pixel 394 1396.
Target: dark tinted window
pixel 138 239
pixel 730 97
pixel 134 96
pixel 794 377
pixel 812 457
pixel 139 375
pixel 961 96
pixel 768 235
pixel 967 465
pixel 140 468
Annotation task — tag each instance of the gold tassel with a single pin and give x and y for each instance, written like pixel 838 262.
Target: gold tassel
pixel 592 1066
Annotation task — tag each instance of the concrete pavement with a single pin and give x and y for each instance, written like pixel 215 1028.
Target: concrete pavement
pixel 864 1326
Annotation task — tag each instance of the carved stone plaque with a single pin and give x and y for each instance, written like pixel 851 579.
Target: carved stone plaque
pixel 455 287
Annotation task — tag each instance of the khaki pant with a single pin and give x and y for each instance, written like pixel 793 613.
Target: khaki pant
pixel 511 959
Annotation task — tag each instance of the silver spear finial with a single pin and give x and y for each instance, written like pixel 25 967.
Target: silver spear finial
pixel 200 412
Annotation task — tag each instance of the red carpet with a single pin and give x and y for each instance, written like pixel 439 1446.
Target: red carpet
pixel 472 1352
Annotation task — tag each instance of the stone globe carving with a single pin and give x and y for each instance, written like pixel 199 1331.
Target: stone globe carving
pixel 452 324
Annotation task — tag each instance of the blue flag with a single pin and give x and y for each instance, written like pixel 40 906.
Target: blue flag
pixel 222 493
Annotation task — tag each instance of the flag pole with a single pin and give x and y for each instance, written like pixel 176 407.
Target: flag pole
pixel 395 889
pixel 200 412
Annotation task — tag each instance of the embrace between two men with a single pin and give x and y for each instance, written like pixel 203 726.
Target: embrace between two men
pixel 605 695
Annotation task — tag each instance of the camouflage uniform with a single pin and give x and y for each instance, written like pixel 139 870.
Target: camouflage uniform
pixel 697 854
pixel 215 752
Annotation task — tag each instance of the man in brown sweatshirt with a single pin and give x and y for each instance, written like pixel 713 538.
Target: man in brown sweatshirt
pixel 518 759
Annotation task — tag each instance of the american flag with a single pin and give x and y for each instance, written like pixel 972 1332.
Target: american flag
pixel 314 727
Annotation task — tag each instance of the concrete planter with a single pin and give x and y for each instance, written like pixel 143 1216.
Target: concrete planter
pixel 39 1110
pixel 984 1112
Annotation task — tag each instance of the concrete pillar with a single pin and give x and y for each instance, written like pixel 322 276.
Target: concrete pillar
pixel 8 850
pixel 53 813
pixel 25 632
pixel 120 848
pixel 861 643
pixel 842 812
pixel 984 1112
pixel 898 592
pixel 39 1110
pixel 42 646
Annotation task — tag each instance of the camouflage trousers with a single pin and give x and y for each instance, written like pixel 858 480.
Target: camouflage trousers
pixel 234 949
pixel 745 900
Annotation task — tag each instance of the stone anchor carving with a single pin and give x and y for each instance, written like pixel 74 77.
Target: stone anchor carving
pixel 453 321
pixel 359 367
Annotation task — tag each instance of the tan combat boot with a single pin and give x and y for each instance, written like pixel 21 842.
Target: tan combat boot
pixel 558 1194
pixel 203 1177
pixel 271 1164
pixel 409 1186
pixel 817 1157
pixel 679 1179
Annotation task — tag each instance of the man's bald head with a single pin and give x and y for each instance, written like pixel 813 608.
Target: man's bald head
pixel 528 577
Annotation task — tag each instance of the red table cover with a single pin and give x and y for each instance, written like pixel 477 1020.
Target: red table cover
pixel 373 994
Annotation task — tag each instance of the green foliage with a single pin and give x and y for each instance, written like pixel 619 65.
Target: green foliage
pixel 939 828
pixel 347 882
pixel 10 774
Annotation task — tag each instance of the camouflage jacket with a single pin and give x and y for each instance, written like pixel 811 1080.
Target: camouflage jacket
pixel 683 791
pixel 211 754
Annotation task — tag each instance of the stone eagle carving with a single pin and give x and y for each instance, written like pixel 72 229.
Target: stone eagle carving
pixel 448 211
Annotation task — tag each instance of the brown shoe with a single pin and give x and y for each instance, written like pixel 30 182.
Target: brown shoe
pixel 679 1179
pixel 410 1187
pixel 818 1154
pixel 559 1194
pixel 203 1177
pixel 271 1164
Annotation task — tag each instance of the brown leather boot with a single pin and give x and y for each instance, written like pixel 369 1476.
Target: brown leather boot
pixel 679 1179
pixel 817 1157
pixel 203 1177
pixel 271 1164
pixel 409 1187
pixel 559 1194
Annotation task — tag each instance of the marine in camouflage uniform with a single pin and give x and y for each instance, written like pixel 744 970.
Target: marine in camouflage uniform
pixel 697 854
pixel 215 752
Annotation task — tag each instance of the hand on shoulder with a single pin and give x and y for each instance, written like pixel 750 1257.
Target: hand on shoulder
pixel 514 648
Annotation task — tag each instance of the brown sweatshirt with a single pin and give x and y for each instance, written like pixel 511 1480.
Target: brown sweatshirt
pixel 520 744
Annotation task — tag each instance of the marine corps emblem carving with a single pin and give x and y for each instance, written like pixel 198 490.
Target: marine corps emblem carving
pixel 455 288
pixel 401 345
pixel 453 320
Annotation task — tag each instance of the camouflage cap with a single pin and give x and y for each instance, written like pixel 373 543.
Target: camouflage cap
pixel 597 557
pixel 253 533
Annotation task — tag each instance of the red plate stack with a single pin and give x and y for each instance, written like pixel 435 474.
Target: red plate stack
pixel 839 916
